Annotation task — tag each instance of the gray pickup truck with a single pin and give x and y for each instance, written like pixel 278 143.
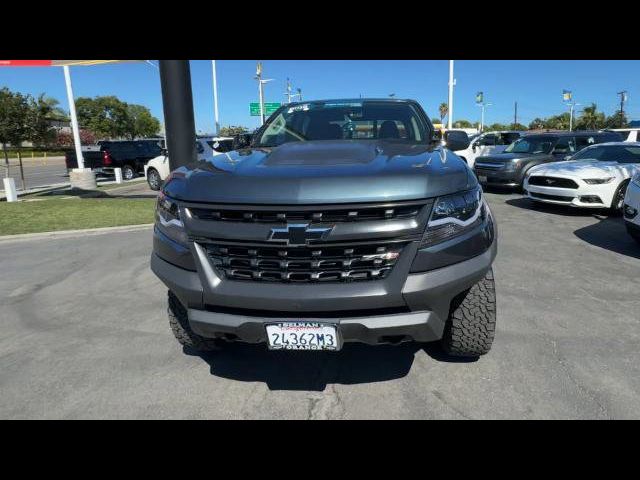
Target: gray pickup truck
pixel 342 221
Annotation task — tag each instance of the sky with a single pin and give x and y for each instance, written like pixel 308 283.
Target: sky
pixel 535 84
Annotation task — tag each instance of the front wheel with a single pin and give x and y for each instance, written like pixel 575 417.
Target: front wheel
pixel 471 326
pixel 617 204
pixel 153 179
pixel 179 322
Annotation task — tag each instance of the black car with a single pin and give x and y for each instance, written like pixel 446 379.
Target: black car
pixel 342 221
pixel 508 169
pixel 129 155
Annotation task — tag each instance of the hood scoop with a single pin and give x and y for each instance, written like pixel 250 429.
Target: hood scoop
pixel 321 153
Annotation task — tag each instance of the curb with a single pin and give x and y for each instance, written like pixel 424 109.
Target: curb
pixel 73 233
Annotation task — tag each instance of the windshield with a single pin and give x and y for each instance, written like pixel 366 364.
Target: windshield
pixel 357 120
pixel 532 145
pixel 612 153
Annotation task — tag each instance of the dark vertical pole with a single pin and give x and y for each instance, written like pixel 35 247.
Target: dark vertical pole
pixel 177 102
pixel 515 117
pixel 24 185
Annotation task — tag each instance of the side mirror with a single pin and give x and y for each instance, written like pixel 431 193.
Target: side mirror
pixel 456 140
pixel 164 152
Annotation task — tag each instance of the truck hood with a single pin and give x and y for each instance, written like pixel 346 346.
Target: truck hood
pixel 344 171
pixel 586 169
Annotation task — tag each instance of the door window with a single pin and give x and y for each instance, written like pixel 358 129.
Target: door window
pixel 565 146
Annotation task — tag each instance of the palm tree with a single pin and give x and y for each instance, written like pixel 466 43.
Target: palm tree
pixel 591 119
pixel 444 109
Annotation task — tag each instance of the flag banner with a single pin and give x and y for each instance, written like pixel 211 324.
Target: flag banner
pixel 479 97
pixel 59 63
pixel 566 95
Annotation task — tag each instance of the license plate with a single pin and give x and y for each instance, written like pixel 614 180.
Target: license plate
pixel 302 336
pixel 482 178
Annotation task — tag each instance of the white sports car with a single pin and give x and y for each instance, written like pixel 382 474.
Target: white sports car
pixel 595 177
pixel 632 208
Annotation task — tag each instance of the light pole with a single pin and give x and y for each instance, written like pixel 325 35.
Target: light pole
pixel 215 96
pixel 452 82
pixel 288 92
pixel 483 105
pixel 261 83
pixel 74 118
pixel 623 98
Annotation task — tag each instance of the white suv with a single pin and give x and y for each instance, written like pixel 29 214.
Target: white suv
pixel 487 144
pixel 157 169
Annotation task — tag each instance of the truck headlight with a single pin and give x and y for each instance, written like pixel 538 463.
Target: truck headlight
pixel 454 215
pixel 168 219
pixel 598 181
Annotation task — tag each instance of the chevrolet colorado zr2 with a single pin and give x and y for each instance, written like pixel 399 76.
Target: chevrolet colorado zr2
pixel 342 221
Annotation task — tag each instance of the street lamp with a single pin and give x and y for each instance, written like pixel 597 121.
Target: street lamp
pixel 483 105
pixel 261 83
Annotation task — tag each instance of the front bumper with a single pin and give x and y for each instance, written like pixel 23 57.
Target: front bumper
pixel 601 195
pixel 498 177
pixel 363 311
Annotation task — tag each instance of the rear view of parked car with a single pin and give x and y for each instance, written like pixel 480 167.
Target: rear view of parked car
pixel 632 208
pixel 596 177
pixel 508 169
pixel 130 156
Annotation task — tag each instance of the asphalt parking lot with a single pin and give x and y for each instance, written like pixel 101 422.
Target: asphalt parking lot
pixel 85 335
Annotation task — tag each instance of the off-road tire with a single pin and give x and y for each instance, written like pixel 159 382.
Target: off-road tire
pixel 471 325
pixel 182 331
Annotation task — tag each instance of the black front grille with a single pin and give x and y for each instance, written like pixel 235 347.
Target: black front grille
pixel 323 263
pixel 557 198
pixel 554 182
pixel 320 214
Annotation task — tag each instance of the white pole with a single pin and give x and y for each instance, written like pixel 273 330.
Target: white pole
pixel 74 119
pixel 450 108
pixel 261 101
pixel 215 96
pixel 482 119
pixel 571 116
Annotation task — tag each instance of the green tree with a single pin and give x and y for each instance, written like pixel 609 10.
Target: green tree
pixel 590 119
pixel 41 112
pixel 443 109
pixel 558 122
pixel 518 126
pixel 617 120
pixel 14 119
pixel 494 127
pixel 140 122
pixel 463 124
pixel 230 130
pixel 106 116
pixel 537 124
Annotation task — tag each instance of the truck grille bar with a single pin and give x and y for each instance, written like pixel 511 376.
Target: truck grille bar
pixel 554 182
pixel 315 263
pixel 316 215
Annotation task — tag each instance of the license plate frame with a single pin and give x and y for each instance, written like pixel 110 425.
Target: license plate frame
pixel 306 333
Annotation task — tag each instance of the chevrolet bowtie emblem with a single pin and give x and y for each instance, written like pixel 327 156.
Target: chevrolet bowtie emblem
pixel 298 234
